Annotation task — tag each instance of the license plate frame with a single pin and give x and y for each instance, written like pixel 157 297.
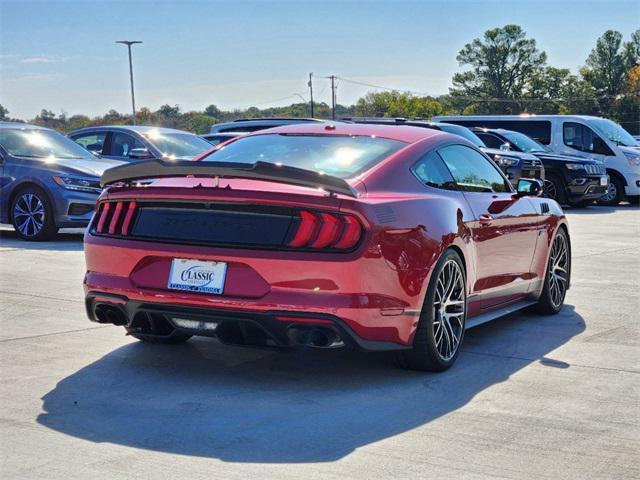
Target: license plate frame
pixel 201 276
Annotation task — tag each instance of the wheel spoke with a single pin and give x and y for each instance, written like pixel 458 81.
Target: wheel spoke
pixel 449 310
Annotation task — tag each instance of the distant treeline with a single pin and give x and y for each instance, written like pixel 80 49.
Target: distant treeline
pixel 503 72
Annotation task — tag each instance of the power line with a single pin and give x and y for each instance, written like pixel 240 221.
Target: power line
pixel 480 99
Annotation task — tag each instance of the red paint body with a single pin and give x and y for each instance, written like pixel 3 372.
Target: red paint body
pixel 378 289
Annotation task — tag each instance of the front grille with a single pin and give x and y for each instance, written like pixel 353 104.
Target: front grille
pixel 532 163
pixel 595 169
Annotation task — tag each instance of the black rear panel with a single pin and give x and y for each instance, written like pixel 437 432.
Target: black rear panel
pixel 214 225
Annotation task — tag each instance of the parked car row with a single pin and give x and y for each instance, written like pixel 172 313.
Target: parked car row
pixel 577 136
pixel 47 182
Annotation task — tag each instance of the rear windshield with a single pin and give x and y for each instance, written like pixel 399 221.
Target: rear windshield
pixel 179 145
pixel 339 155
pixel 463 132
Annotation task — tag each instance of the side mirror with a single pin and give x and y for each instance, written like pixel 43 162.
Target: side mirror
pixel 505 147
pixel 139 153
pixel 529 187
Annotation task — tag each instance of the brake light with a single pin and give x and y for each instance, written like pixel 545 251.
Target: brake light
pixel 131 211
pixel 103 213
pixel 306 229
pixel 350 234
pixel 329 231
pixel 115 218
pixel 326 230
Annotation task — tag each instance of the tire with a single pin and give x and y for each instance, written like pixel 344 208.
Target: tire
pixel 581 204
pixel 163 340
pixel 428 353
pixel 554 189
pixel 32 215
pixel 615 192
pixel 551 301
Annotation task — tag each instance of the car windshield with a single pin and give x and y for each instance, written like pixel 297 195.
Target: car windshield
pixel 463 132
pixel 523 142
pixel 177 144
pixel 40 143
pixel 339 155
pixel 613 132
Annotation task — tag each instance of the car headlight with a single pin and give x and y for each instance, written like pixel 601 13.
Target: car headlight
pixel 79 184
pixel 506 161
pixel 632 158
pixel 575 166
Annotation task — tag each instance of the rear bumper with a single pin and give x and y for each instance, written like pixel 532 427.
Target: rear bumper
pixel 362 291
pixel 240 327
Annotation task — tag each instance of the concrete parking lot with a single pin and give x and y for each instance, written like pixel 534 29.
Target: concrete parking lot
pixel 553 397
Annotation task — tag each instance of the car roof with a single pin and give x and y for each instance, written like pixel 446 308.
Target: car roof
pixel 129 128
pixel 23 126
pixel 522 116
pixel 260 122
pixel 401 133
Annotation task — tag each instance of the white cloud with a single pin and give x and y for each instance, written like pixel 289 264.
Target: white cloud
pixel 43 59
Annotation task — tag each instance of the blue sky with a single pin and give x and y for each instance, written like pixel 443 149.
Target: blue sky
pixel 61 55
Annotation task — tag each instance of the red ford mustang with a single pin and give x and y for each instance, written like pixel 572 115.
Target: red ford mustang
pixel 322 235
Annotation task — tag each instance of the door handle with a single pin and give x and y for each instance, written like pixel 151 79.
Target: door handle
pixel 485 219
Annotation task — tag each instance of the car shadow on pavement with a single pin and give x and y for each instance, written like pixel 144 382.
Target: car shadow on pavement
pixel 245 405
pixel 65 241
pixel 600 209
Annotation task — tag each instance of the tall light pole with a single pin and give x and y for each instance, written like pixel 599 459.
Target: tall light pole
pixel 128 43
pixel 310 85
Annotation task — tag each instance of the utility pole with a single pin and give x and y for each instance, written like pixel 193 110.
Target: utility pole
pixel 128 43
pixel 333 96
pixel 310 85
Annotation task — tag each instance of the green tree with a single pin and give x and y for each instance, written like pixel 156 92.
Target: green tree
pixel 4 113
pixel 213 111
pixel 502 64
pixel 199 123
pixel 632 50
pixel 605 66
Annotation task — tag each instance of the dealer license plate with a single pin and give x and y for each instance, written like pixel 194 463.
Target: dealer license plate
pixel 603 181
pixel 197 276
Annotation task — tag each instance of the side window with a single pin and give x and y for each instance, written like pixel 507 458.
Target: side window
pixel 490 140
pixel 122 144
pixel 472 171
pixel 93 142
pixel 432 171
pixel 581 137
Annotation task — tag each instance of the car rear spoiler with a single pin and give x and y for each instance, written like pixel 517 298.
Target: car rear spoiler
pixel 267 171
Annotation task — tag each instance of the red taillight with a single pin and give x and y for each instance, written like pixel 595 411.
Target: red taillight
pixel 329 230
pixel 350 233
pixel 326 230
pixel 128 219
pixel 115 218
pixel 103 213
pixel 306 229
